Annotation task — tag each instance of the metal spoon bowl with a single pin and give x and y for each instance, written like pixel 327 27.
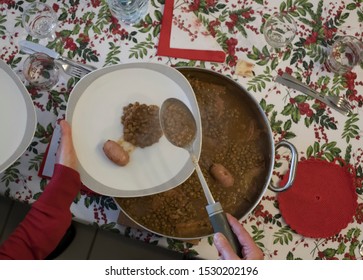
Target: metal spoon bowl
pixel 179 127
pixel 178 123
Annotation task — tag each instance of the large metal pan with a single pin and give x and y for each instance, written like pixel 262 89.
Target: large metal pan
pixel 236 133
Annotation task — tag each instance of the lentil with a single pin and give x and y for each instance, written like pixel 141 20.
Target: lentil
pixel 231 137
pixel 141 124
pixel 179 126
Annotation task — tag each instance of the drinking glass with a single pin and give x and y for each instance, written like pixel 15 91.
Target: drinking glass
pixel 279 30
pixel 41 71
pixel 40 20
pixel 128 11
pixel 345 53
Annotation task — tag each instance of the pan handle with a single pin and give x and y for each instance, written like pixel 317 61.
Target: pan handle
pixel 293 164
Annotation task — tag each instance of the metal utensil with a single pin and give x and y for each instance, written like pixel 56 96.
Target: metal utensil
pixel 337 103
pixel 72 70
pixel 341 102
pixel 49 161
pixel 30 48
pixel 179 127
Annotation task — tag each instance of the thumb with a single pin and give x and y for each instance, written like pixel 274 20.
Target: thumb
pixel 223 247
pixel 66 154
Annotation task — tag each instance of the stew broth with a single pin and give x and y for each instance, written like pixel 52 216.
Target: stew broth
pixel 234 135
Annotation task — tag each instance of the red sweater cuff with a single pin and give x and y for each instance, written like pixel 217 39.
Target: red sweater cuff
pixel 61 190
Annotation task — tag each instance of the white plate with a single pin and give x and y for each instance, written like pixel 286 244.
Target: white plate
pixel 17 117
pixel 94 110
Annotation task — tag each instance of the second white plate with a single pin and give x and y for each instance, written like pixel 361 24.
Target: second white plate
pixel 18 119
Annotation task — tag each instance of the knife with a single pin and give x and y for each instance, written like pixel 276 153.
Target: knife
pixel 48 167
pixel 30 48
pixel 291 82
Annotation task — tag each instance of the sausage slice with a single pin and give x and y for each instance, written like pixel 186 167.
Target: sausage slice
pixel 222 175
pixel 116 153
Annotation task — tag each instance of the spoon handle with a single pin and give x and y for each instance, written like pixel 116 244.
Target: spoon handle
pixel 206 190
pixel 220 224
pixel 216 214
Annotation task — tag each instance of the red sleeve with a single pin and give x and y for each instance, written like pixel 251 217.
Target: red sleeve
pixel 48 219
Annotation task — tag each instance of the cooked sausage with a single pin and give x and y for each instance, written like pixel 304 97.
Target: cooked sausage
pixel 116 153
pixel 222 175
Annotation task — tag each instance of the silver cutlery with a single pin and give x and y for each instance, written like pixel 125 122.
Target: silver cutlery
pixel 48 167
pixel 337 103
pixel 341 102
pixel 72 70
pixel 30 48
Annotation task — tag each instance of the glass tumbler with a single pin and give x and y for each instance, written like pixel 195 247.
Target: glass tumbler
pixel 40 20
pixel 128 11
pixel 345 53
pixel 41 71
pixel 279 30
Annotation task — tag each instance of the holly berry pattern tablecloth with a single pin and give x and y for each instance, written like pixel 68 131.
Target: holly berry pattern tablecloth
pixel 87 32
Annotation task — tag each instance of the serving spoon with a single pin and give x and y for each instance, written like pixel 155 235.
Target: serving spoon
pixel 179 127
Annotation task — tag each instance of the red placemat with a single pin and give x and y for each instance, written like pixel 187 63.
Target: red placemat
pixel 322 201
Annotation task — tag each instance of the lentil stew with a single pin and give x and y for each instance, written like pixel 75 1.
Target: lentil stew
pixel 236 136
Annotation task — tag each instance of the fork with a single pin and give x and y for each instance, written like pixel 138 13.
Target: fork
pixel 337 103
pixel 341 102
pixel 68 66
pixel 72 70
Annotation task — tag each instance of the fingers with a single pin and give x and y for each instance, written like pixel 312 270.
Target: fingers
pixel 224 248
pixel 66 154
pixel 250 250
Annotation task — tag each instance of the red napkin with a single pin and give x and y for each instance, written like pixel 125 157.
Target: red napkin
pixel 321 202
pixel 164 48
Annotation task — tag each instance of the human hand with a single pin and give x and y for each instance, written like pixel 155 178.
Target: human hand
pixel 66 155
pixel 250 250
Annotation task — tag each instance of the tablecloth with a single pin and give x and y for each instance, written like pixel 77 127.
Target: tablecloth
pixel 87 32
